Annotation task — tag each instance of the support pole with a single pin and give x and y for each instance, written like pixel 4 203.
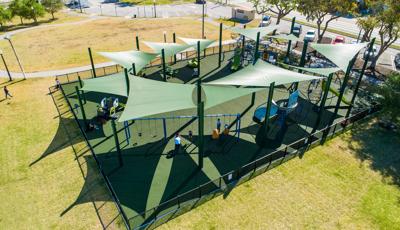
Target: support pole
pixel 371 44
pixel 339 99
pixel 243 47
pixel 253 99
pixel 257 46
pixel 81 106
pixel 268 110
pixel 174 40
pixel 126 81
pixel 302 61
pixel 163 64
pixel 165 128
pixel 198 58
pixel 91 62
pixel 323 101
pixel 80 86
pixel 200 117
pixel 220 45
pixel 114 129
pixel 137 43
pixel 292 25
pixel 5 65
pixel 134 69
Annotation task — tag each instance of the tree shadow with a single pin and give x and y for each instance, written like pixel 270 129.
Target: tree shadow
pixel 370 142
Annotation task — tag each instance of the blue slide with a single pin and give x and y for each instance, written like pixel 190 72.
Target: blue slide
pixel 259 114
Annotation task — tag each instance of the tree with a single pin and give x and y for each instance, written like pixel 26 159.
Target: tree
pixel 279 7
pixel 367 24
pixel 17 9
pixel 5 16
pixel 325 11
pixel 390 92
pixel 388 27
pixel 32 10
pixel 52 6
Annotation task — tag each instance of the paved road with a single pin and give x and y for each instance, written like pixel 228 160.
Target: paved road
pixel 215 10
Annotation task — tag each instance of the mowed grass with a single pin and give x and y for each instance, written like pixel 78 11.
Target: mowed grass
pixel 48 193
pixel 66 46
pixel 350 183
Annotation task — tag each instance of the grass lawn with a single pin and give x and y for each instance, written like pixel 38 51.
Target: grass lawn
pixel 352 183
pixel 66 46
pixel 41 184
pixel 158 2
pixel 60 17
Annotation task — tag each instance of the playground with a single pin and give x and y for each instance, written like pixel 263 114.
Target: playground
pixel 227 129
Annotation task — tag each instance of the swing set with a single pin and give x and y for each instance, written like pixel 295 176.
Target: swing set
pixel 178 125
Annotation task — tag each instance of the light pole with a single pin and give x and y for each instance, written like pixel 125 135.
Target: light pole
pixel 5 65
pixel 155 10
pixel 202 21
pixel 101 10
pixel 8 38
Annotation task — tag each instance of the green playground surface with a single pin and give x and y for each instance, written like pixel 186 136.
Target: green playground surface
pixel 150 177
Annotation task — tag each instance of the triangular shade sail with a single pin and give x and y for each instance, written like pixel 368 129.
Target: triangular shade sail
pixel 219 94
pixel 149 97
pixel 286 37
pixel 321 71
pixel 112 84
pixel 170 49
pixel 252 32
pixel 262 74
pixel 126 58
pixel 340 54
pixel 204 43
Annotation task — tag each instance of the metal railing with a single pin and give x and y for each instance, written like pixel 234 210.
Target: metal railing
pixel 112 69
pixel 108 183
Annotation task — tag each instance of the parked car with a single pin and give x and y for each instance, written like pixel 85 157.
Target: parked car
pixel 371 54
pixel 75 4
pixel 201 2
pixel 397 61
pixel 339 40
pixel 266 20
pixel 297 28
pixel 310 36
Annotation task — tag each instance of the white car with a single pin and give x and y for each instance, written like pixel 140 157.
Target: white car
pixel 266 20
pixel 371 54
pixel 310 36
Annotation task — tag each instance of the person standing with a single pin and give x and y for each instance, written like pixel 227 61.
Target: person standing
pixel 219 125
pixel 58 84
pixel 177 141
pixel 7 92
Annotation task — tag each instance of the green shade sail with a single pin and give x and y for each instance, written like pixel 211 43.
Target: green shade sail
pixel 170 49
pixel 252 32
pixel 204 43
pixel 340 54
pixel 112 84
pixel 126 58
pixel 287 37
pixel 321 71
pixel 262 74
pixel 149 97
pixel 219 94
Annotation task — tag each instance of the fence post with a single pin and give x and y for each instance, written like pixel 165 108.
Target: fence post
pixel 91 62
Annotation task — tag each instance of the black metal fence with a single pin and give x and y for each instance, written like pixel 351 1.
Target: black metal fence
pixel 112 69
pixel 182 203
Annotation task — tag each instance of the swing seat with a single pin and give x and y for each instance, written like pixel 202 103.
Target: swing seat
pixel 215 134
pixel 226 131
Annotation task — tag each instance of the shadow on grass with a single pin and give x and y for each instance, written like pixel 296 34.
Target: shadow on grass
pixel 371 142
